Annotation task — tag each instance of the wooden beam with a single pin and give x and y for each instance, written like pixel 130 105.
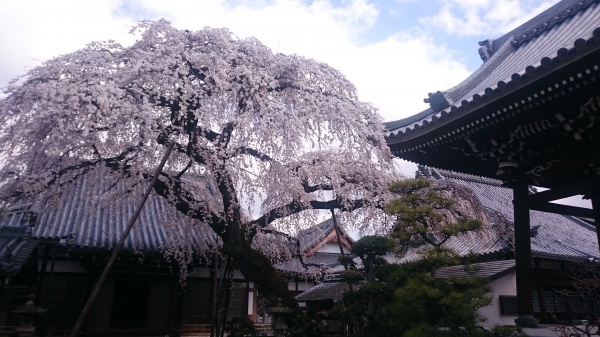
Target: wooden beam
pixel 586 186
pixel 563 209
pixel 550 277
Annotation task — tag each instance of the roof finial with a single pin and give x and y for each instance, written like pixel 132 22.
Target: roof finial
pixel 486 50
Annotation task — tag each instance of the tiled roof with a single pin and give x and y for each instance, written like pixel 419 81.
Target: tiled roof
pixel 491 270
pixel 315 265
pixel 79 221
pixel 324 291
pixel 553 235
pixel 569 28
pixel 15 247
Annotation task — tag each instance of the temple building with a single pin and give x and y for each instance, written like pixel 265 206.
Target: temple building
pixel 526 117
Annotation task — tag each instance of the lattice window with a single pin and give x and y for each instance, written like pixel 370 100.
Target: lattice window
pixel 536 302
pixel 549 301
pixel 508 305
pixel 560 303
pixel 554 302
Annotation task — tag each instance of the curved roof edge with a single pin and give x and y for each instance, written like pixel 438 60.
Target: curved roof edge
pixel 508 43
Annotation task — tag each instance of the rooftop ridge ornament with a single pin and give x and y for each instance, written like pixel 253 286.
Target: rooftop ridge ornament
pixel 486 50
pixel 437 100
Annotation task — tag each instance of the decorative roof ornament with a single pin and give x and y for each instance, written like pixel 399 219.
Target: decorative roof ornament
pixel 437 100
pixel 486 50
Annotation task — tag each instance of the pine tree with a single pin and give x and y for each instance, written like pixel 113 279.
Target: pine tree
pixel 424 305
pixel 407 299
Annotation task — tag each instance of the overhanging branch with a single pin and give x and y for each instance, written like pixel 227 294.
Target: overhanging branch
pixel 297 206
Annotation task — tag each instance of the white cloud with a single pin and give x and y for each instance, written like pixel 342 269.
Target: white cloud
pixel 487 17
pixel 394 74
pixel 34 31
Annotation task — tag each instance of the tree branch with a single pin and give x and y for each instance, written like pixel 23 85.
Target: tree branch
pixel 252 152
pixel 297 206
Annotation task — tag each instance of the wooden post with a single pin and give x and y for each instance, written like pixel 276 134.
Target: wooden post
pixel 213 295
pixel 177 313
pixel 595 197
pixel 523 256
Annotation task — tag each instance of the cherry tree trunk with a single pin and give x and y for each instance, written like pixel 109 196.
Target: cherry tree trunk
pixel 257 268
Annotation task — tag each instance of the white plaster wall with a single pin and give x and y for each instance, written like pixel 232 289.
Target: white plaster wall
pixel 304 286
pixel 250 303
pixel 332 247
pixel 506 285
pixel 63 267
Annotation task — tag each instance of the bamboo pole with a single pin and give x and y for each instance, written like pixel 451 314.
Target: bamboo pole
pixel 88 305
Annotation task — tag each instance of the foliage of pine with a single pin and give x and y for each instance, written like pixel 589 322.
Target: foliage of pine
pixel 408 300
pixel 422 214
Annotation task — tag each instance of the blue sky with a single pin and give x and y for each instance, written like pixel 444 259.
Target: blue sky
pixel 394 51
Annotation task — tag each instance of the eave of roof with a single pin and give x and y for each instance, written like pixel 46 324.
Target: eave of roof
pixel 324 291
pixel 16 245
pixel 492 270
pixel 566 32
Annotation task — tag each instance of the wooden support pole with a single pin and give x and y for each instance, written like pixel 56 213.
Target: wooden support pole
pixel 113 257
pixel 523 256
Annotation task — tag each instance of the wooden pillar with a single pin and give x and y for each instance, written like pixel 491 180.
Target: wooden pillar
pixel 523 256
pixel 595 197
pixel 41 289
pixel 213 286
pixel 178 290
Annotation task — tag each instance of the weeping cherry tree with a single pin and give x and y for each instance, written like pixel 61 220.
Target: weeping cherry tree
pixel 274 138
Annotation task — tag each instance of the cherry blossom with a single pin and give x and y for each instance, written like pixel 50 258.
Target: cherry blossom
pixel 261 139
